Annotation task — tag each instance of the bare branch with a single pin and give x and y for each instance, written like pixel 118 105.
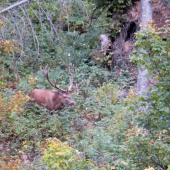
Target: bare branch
pixel 15 23
pixel 33 31
pixel 86 11
pixel 49 20
pixel 14 5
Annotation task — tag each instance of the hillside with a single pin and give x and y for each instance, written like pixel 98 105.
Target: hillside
pixel 68 85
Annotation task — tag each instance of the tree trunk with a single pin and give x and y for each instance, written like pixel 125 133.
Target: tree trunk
pixel 142 78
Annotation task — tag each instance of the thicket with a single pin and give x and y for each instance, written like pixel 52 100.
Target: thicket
pixel 102 130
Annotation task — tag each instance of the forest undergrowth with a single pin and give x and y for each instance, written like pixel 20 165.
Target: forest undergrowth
pixel 104 129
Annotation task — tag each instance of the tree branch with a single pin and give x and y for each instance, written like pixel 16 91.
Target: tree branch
pixel 14 5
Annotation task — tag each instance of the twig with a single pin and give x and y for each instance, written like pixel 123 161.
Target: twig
pixel 26 88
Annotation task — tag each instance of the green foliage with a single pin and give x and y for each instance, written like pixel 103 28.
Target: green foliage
pixel 108 93
pixel 153 146
pixel 112 23
pixel 59 155
pixel 117 5
pixel 152 149
pixel 2 79
pixel 158 63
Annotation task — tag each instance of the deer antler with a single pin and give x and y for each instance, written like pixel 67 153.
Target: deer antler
pixel 71 78
pixel 45 72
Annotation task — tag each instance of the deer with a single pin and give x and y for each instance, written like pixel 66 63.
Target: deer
pixel 51 99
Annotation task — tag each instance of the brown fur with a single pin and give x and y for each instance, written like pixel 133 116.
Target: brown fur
pixel 50 99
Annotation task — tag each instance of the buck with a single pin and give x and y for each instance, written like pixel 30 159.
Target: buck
pixel 51 99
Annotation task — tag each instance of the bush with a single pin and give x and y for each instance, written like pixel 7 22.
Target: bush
pixel 61 156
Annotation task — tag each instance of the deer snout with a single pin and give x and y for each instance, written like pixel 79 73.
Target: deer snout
pixel 71 103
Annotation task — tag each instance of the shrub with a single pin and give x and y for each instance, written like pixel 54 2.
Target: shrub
pixel 61 156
